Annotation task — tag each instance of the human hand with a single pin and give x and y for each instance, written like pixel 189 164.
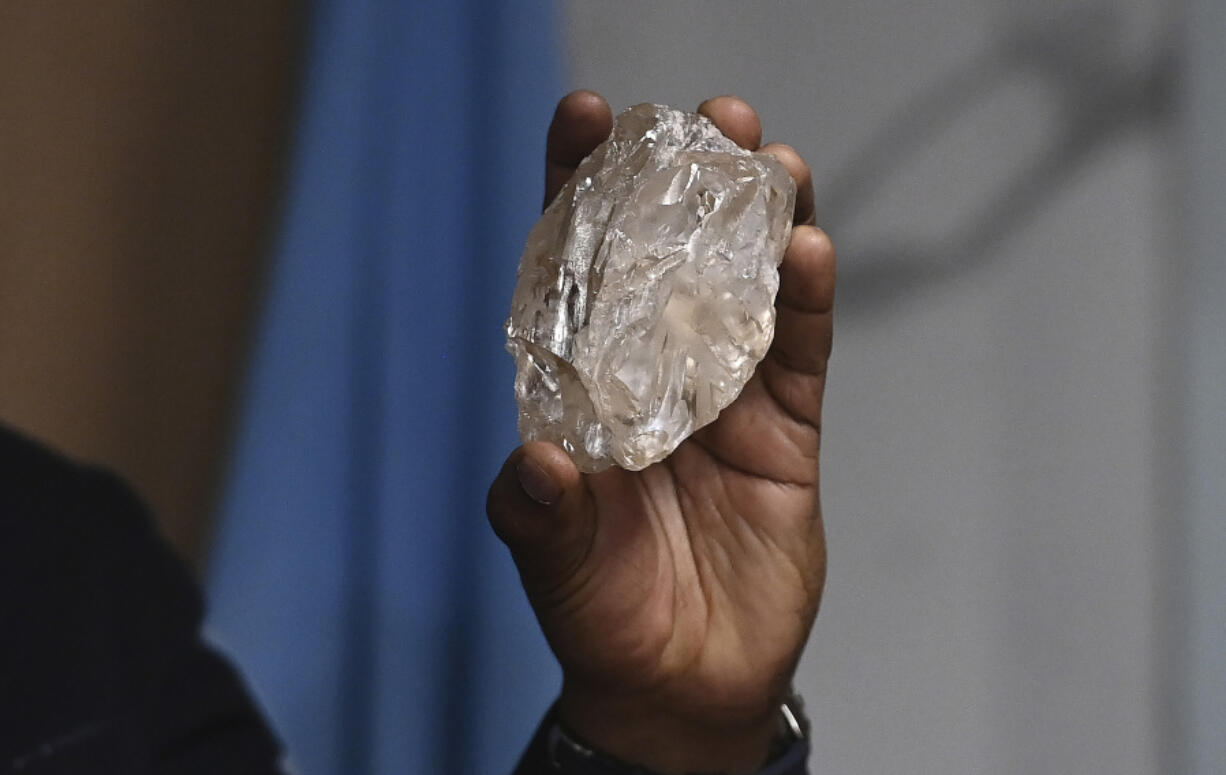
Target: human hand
pixel 678 598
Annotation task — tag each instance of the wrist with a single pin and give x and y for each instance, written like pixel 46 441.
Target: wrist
pixel 638 731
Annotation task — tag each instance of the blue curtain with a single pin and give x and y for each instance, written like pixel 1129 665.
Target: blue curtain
pixel 354 578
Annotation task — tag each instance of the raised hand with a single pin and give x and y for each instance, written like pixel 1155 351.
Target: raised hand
pixel 678 598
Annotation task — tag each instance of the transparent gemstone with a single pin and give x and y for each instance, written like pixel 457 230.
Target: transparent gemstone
pixel 645 296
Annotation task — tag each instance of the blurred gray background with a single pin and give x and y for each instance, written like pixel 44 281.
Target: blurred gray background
pixel 1022 574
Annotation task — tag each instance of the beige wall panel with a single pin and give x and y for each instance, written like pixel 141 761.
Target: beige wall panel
pixel 139 151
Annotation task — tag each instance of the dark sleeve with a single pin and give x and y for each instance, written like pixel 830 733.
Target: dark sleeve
pixel 101 660
pixel 544 757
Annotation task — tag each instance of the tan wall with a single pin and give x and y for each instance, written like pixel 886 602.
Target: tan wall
pixel 139 150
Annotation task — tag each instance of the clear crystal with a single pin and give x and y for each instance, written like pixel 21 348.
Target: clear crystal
pixel 646 291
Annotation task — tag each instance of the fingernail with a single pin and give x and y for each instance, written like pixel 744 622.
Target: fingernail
pixel 536 483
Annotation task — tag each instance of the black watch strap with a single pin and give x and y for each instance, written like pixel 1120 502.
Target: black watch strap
pixel 567 755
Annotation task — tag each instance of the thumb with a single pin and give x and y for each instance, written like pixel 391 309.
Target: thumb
pixel 540 509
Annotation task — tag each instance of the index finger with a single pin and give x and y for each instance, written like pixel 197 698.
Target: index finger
pixel 581 122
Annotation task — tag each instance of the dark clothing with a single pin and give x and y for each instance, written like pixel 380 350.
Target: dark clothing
pixel 102 669
pixel 101 665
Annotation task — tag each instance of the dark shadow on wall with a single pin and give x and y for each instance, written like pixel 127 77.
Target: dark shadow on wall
pixel 1101 95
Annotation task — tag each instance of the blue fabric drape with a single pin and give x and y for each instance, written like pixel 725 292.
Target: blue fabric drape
pixel 354 578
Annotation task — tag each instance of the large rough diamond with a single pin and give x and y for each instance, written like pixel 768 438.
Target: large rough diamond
pixel 646 291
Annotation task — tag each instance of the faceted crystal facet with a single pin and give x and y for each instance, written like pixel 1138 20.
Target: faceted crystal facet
pixel 646 291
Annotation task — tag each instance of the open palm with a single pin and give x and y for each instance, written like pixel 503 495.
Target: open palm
pixel 678 598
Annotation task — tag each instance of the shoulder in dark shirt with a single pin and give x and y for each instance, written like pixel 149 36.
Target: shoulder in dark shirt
pixel 101 664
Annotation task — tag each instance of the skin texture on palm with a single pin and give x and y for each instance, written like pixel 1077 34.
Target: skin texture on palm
pixel 678 598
